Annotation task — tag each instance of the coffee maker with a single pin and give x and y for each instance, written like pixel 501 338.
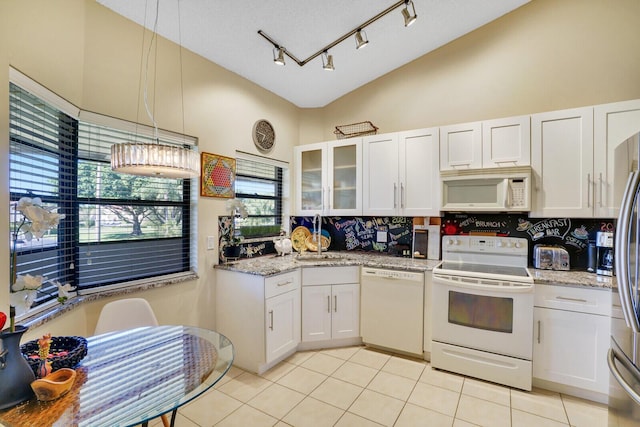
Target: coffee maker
pixel 601 254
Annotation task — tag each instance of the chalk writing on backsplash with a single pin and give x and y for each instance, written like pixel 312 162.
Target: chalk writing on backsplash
pixel 361 233
pixel 554 227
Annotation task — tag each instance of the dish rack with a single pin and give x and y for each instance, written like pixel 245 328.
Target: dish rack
pixel 355 129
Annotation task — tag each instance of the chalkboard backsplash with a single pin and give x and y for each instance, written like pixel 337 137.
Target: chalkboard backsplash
pixel 393 235
pixel 573 234
pixel 369 234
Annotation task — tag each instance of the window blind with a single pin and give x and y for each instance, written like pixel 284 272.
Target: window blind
pixel 117 228
pixel 42 155
pixel 259 184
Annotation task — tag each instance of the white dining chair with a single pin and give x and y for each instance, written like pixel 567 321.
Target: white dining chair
pixel 127 313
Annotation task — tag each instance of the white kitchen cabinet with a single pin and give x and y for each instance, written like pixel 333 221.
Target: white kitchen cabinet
pixel 330 303
pixel 571 339
pixel 495 143
pixel 329 178
pixel 562 163
pixel 616 128
pixel 461 146
pixel 261 316
pixel 400 174
pixel 506 142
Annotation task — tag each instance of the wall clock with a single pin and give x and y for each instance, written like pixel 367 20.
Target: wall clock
pixel 264 137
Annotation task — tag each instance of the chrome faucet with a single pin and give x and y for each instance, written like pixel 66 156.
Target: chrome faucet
pixel 317 225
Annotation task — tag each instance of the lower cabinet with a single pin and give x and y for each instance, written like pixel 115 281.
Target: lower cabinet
pixel 260 315
pixel 330 312
pixel 571 340
pixel 283 324
pixel 330 303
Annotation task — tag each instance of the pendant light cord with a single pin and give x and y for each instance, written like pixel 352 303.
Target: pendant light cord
pixel 146 73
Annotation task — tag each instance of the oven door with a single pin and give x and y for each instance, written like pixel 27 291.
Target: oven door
pixel 483 314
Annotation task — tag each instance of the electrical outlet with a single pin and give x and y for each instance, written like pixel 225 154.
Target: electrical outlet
pixel 381 237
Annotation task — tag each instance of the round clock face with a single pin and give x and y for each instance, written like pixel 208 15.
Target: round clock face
pixel 263 135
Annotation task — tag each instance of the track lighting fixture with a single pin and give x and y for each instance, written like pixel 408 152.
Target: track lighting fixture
pixel 361 40
pixel 360 37
pixel 408 17
pixel 278 55
pixel 327 61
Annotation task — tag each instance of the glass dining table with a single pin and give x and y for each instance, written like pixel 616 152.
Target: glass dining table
pixel 130 377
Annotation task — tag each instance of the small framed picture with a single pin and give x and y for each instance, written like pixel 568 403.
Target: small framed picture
pixel 218 176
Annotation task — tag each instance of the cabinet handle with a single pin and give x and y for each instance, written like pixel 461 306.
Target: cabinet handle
pixel 572 299
pixel 335 303
pixel 601 188
pixel 402 195
pixel 589 186
pixel 288 282
pixel 329 198
pixel 328 303
pixel 271 319
pixel 395 195
pixel 538 332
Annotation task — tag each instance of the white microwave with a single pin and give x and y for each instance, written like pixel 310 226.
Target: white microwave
pixel 487 190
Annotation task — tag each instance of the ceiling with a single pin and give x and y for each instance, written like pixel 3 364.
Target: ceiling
pixel 226 33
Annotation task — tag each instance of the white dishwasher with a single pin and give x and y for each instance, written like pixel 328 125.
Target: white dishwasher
pixel 392 309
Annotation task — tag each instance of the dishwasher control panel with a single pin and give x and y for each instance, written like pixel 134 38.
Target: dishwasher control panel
pixel 392 274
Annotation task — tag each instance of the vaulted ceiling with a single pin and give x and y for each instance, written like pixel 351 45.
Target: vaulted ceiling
pixel 226 33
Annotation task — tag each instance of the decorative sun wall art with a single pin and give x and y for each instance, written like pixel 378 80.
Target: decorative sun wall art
pixel 218 176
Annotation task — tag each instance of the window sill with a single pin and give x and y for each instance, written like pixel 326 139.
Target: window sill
pixel 57 310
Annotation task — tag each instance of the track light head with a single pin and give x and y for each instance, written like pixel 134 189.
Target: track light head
pixel 327 62
pixel 278 55
pixel 361 39
pixel 408 17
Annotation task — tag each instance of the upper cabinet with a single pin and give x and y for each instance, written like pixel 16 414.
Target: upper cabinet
pixel 488 144
pixel 329 178
pixel 461 146
pixel 616 129
pixel 400 174
pixel 506 142
pixel 562 162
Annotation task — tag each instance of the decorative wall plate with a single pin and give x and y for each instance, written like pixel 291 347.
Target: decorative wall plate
pixel 264 137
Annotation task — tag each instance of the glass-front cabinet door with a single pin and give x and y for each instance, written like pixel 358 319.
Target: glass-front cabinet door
pixel 329 178
pixel 311 179
pixel 345 177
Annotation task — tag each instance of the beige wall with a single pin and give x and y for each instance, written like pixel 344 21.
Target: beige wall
pixel 91 57
pixel 547 55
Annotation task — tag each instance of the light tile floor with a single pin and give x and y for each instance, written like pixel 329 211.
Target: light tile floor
pixel 357 386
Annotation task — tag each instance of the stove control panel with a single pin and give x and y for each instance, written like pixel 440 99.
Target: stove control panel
pixel 485 244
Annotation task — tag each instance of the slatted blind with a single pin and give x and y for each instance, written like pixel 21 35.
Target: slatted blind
pixel 42 154
pixel 259 184
pixel 117 228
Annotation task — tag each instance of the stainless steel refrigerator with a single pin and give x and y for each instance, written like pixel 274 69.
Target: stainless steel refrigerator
pixel 624 354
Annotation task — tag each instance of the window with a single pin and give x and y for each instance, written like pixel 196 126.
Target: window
pixel 117 228
pixel 259 185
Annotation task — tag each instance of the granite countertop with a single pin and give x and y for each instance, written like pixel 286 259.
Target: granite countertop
pixel 270 265
pixel 572 278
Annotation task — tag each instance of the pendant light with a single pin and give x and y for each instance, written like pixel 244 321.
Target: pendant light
pixel 156 159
